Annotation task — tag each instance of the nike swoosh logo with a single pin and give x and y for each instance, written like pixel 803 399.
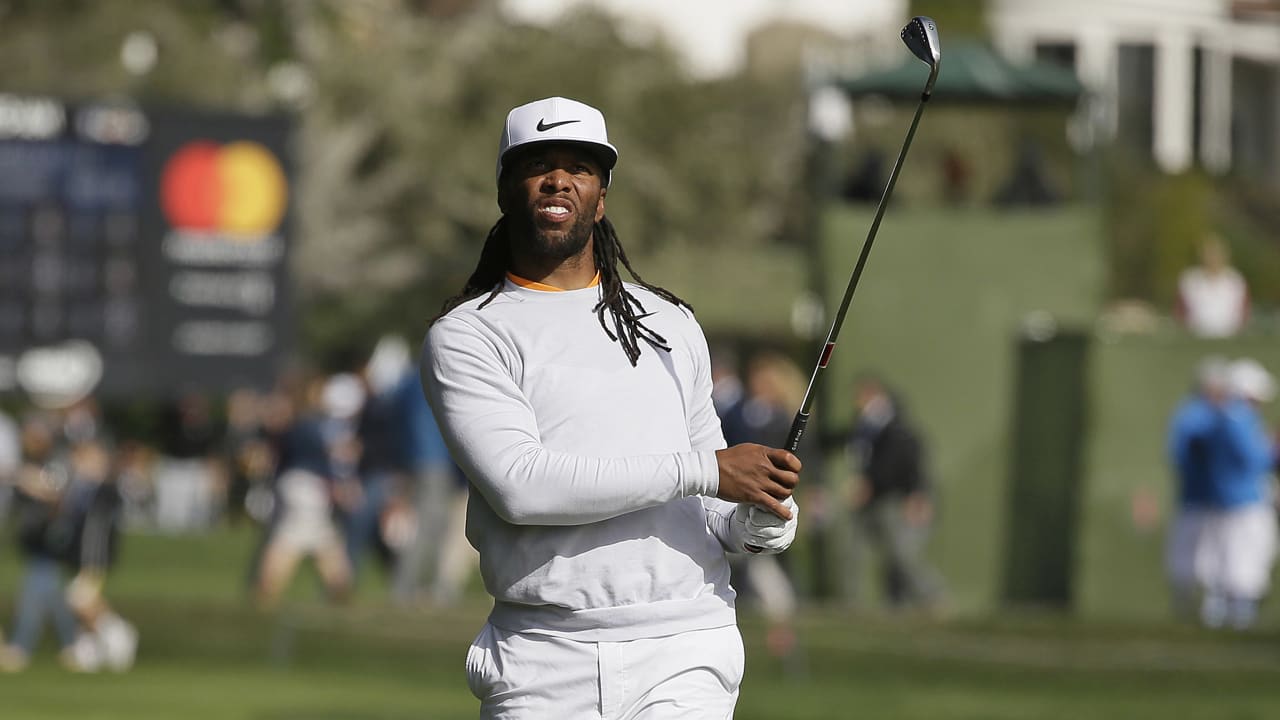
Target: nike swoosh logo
pixel 544 126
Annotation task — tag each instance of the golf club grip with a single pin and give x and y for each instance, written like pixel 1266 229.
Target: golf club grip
pixel 797 431
pixel 793 442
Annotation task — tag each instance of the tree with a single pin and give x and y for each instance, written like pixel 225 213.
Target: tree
pixel 398 107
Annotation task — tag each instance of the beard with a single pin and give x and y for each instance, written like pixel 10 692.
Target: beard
pixel 555 245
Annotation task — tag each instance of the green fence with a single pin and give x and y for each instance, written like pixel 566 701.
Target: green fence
pixel 938 311
pixel 941 310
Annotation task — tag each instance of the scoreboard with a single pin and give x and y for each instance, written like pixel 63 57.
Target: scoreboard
pixel 142 251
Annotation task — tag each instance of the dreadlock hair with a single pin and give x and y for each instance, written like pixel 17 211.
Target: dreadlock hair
pixel 626 313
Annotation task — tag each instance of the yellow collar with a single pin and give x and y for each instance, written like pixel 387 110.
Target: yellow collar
pixel 535 285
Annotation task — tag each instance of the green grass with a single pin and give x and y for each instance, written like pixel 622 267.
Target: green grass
pixel 206 654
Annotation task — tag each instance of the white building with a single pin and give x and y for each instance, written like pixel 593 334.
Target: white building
pixel 1191 79
pixel 1196 79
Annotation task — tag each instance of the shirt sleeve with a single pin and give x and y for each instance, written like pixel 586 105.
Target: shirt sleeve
pixel 719 521
pixel 492 433
pixel 705 432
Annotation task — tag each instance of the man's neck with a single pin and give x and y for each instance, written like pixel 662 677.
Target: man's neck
pixel 572 273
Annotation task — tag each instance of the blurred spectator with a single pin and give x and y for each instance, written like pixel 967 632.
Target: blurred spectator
pixel 1243 536
pixel 383 460
pixel 726 386
pixel 1222 543
pixel 893 498
pixel 956 175
pixel 246 454
pixel 276 416
pixel 457 558
pixel 1028 184
pixel 434 483
pixel 774 390
pixel 187 478
pixel 304 526
pixel 1192 453
pixel 10 461
pixel 43 537
pixel 91 505
pixel 134 463
pixel 1213 299
pixel 866 183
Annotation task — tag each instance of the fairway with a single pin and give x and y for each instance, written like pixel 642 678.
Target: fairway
pixel 206 654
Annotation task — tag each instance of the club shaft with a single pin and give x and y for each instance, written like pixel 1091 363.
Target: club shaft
pixel 802 416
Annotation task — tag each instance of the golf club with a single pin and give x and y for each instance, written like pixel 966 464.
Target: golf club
pixel 921 37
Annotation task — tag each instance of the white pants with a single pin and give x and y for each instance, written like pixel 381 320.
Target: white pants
pixel 522 676
pixel 1239 548
pixel 306 521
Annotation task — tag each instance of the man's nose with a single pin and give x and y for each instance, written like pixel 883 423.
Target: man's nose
pixel 555 180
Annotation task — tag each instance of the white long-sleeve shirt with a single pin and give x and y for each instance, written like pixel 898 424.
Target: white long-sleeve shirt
pixel 592 481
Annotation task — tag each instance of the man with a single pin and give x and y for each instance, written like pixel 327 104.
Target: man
pixel 1240 536
pixel 603 499
pixel 1223 540
pixel 1191 453
pixel 893 498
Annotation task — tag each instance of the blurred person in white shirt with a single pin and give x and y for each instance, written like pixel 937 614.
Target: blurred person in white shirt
pixel 1213 298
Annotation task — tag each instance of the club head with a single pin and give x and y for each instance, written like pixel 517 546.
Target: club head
pixel 921 37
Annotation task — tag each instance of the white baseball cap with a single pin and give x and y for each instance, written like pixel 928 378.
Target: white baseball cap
pixel 557 119
pixel 1251 381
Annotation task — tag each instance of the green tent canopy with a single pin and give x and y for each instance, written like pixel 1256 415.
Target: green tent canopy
pixel 971 72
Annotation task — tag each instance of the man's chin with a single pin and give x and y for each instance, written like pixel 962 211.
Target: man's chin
pixel 558 245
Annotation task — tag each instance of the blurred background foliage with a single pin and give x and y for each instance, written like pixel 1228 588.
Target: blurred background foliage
pixel 1155 222
pixel 397 105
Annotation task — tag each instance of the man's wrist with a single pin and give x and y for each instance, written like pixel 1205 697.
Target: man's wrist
pixel 699 473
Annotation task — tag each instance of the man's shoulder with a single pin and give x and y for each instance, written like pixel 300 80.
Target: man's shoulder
pixel 471 307
pixel 1193 410
pixel 455 328
pixel 474 313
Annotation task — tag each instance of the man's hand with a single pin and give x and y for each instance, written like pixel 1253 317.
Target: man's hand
pixel 758 475
pixel 761 532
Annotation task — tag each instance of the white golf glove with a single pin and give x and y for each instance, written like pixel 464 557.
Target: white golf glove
pixel 754 527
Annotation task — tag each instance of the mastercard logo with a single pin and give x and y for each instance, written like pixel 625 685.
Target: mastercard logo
pixel 238 188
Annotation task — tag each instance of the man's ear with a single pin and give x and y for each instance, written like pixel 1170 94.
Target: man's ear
pixel 600 204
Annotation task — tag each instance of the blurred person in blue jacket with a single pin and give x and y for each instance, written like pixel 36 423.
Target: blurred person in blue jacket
pixel 1222 542
pixel 377 504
